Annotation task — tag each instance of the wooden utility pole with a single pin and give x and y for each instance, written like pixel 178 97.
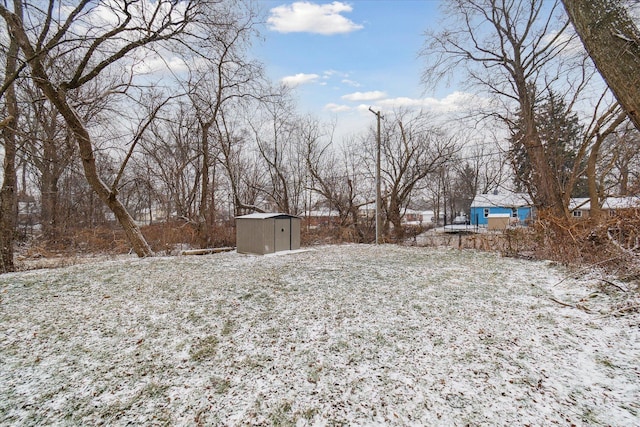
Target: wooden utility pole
pixel 378 193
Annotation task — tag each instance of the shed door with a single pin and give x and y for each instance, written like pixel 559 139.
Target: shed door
pixel 282 234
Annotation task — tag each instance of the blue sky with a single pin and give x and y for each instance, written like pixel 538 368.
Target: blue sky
pixel 344 56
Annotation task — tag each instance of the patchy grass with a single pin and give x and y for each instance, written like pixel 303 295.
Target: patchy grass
pixel 204 349
pixel 339 335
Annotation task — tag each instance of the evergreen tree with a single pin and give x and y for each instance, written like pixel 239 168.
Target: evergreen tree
pixel 560 134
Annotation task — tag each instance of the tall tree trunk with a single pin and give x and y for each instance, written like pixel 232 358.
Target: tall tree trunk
pixel 592 181
pixel 612 40
pixel 54 161
pixel 394 216
pixel 595 193
pixel 57 96
pixel 8 195
pixel 109 197
pixel 50 171
pixel 547 196
pixel 49 209
pixel 204 226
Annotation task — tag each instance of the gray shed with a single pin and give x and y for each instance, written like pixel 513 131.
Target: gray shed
pixel 266 233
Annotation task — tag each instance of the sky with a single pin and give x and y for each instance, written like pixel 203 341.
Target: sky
pixel 343 57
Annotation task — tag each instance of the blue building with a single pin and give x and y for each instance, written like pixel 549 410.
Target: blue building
pixel 517 205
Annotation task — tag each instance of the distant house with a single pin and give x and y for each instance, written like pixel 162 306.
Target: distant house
pixel 412 217
pixel 517 206
pixel 581 207
pixel 321 218
pixel 614 205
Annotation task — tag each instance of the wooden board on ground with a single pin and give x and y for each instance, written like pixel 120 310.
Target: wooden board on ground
pixel 207 251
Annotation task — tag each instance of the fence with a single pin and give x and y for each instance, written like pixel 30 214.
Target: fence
pixel 510 242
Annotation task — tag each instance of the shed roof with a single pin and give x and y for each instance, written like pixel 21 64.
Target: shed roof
pixel 266 215
pixel 502 200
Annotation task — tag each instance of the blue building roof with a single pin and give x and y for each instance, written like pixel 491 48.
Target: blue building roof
pixel 501 200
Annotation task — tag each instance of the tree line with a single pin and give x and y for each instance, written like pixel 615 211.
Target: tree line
pixel 133 109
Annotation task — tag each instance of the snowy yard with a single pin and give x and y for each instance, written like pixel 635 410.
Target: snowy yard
pixel 340 335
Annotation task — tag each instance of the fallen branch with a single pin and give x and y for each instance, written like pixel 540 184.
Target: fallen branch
pixel 207 251
pixel 614 285
pixel 578 306
pixel 562 303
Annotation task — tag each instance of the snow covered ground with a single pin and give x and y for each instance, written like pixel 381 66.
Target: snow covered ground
pixel 340 335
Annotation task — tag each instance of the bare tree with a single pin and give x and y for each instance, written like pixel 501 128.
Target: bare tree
pixel 602 127
pixel 625 148
pixel 275 130
pixel 612 39
pixel 8 192
pixel 239 161
pixel 222 74
pixel 135 26
pixel 616 170
pixel 335 176
pixel 49 149
pixel 478 168
pixel 510 49
pixel 171 150
pixel 411 150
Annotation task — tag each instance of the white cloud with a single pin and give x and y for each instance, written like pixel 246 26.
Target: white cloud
pixel 308 17
pixel 328 74
pixel 569 41
pixel 402 102
pixel 364 96
pixel 351 83
pixel 364 108
pixel 454 102
pixel 344 77
pixel 157 64
pixel 299 79
pixel 337 108
pixel 108 14
pixel 354 118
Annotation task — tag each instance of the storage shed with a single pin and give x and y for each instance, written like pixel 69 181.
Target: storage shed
pixel 266 233
pixel 498 221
